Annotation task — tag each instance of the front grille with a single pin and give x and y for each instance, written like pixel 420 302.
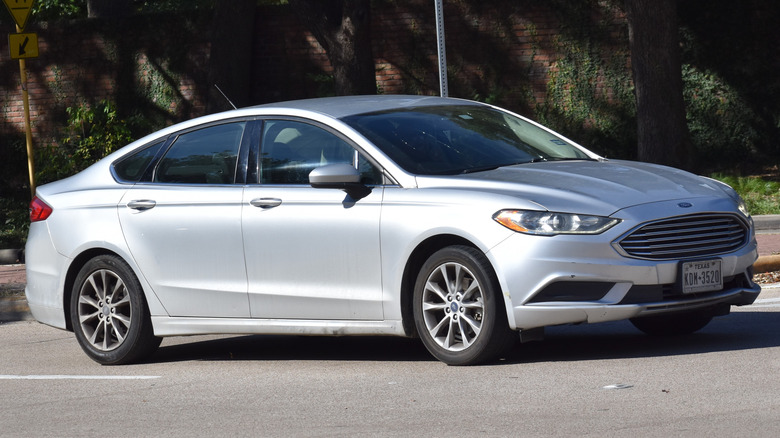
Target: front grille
pixel 686 237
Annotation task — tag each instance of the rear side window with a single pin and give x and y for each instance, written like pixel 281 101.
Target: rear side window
pixel 205 156
pixel 131 169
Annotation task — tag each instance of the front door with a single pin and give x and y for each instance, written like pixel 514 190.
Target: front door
pixel 310 253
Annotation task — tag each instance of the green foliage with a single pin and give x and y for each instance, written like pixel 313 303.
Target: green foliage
pixel 325 83
pixel 156 82
pixel 589 92
pixel 731 48
pixel 720 122
pixel 14 223
pixel 93 131
pixel 172 5
pixel 761 196
pixel 44 10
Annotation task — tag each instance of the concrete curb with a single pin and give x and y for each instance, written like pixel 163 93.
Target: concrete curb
pixel 768 263
pixel 767 222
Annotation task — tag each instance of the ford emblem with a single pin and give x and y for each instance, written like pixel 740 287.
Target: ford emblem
pixel 685 205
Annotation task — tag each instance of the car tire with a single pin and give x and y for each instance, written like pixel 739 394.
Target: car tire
pixel 673 324
pixel 458 308
pixel 109 313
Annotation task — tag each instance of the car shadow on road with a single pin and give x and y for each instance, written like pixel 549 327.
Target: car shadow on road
pixel 620 340
pixel 614 340
pixel 295 348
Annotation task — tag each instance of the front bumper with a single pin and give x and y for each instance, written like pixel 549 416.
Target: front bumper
pixel 570 279
pixel 534 315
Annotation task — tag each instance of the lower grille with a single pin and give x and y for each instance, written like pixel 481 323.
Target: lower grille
pixel 686 237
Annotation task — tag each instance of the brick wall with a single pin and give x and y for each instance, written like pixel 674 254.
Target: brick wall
pixel 503 52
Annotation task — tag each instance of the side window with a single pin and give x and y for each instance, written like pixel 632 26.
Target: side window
pixel 290 150
pixel 131 169
pixel 205 156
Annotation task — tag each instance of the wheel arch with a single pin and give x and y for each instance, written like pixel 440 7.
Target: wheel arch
pixel 421 253
pixel 73 272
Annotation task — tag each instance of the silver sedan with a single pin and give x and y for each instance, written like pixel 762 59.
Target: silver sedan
pixel 449 220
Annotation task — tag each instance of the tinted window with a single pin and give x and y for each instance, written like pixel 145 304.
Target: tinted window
pixel 458 139
pixel 205 156
pixel 132 168
pixel 290 150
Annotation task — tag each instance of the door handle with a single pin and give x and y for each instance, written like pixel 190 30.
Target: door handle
pixel 266 202
pixel 141 204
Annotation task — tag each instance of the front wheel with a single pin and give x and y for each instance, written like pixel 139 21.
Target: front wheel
pixel 458 308
pixel 673 324
pixel 109 313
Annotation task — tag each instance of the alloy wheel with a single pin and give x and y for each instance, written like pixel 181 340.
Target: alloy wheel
pixel 453 306
pixel 104 310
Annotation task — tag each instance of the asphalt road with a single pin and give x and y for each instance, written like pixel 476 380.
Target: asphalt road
pixel 598 380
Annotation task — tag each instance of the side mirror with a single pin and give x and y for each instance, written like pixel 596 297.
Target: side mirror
pixel 339 176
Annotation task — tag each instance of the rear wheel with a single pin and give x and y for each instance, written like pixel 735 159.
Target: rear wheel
pixel 673 324
pixel 109 313
pixel 458 308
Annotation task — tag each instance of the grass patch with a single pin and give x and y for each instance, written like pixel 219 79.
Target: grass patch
pixel 761 195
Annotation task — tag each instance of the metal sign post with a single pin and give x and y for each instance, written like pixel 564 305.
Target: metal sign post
pixel 27 127
pixel 22 46
pixel 442 51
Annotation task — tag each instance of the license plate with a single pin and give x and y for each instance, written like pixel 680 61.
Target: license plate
pixel 701 276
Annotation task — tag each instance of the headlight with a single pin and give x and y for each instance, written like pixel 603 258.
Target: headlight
pixel 742 206
pixel 547 223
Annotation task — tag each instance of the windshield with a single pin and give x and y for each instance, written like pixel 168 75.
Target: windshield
pixel 449 140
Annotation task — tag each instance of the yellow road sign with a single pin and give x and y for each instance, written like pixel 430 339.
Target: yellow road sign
pixel 23 45
pixel 20 9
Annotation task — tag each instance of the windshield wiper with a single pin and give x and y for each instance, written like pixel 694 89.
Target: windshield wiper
pixel 571 159
pixel 496 166
pixel 479 169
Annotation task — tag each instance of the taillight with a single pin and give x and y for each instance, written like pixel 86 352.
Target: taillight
pixel 39 210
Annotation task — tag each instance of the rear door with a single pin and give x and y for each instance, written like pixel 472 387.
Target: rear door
pixel 183 225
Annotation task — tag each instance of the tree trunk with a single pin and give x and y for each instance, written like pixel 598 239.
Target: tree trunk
pixel 662 130
pixel 230 59
pixel 343 29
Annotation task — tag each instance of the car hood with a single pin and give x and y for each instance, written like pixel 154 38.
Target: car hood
pixel 586 187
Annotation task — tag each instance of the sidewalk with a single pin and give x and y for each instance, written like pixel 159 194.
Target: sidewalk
pixel 13 306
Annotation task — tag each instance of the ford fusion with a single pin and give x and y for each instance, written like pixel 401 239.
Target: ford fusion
pixel 449 220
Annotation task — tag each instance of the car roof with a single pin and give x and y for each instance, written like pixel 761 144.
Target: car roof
pixel 343 106
pixel 331 107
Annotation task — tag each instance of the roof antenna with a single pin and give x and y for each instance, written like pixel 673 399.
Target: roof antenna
pixel 225 96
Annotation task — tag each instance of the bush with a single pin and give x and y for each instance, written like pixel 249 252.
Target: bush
pixel 93 131
pixel 720 122
pixel 14 223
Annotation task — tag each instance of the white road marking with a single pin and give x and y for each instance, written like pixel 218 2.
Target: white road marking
pixel 766 302
pixel 67 377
